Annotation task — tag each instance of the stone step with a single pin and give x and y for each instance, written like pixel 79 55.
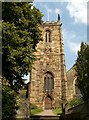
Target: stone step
pixel 52 118
pixel 45 118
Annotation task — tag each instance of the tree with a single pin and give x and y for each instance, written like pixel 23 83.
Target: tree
pixel 9 102
pixel 82 69
pixel 20 35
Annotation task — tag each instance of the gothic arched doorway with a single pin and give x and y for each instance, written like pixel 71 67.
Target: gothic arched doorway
pixel 48 102
pixel 48 89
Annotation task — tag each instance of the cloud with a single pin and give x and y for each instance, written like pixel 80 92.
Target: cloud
pixel 47 8
pixel 57 11
pixel 51 10
pixel 78 11
pixel 74 46
pixel 68 35
pixel 70 41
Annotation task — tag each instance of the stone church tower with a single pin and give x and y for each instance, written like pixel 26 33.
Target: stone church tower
pixel 48 75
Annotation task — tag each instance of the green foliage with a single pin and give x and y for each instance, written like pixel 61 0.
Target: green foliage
pixel 33 106
pixel 36 111
pixel 76 101
pixel 20 35
pixel 57 111
pixel 82 69
pixel 9 105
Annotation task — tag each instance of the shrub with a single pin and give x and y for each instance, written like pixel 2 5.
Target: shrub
pixel 9 105
pixel 33 106
pixel 76 101
pixel 36 111
pixel 57 111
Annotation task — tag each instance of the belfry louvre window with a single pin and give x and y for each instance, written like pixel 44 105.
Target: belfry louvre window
pixel 48 82
pixel 47 36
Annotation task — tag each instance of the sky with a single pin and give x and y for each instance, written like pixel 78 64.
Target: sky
pixel 74 24
pixel 73 16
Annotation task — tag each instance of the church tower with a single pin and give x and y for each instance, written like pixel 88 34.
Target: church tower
pixel 48 75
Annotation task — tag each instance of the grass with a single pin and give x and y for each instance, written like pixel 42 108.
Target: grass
pixel 76 101
pixel 35 111
pixel 57 111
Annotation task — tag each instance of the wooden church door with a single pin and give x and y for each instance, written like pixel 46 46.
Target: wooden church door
pixel 48 103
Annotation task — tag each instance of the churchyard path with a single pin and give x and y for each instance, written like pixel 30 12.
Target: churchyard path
pixel 47 113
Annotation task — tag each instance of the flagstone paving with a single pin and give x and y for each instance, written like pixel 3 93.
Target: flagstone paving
pixel 47 113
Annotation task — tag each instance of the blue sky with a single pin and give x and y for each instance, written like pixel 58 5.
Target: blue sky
pixel 74 24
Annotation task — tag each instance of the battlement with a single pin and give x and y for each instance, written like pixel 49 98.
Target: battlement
pixel 53 22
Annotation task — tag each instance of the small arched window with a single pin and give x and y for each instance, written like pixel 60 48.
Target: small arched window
pixel 47 36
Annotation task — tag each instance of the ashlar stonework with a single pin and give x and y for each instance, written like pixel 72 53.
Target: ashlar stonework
pixel 48 75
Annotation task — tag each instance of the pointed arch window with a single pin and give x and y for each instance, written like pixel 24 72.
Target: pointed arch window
pixel 48 82
pixel 47 36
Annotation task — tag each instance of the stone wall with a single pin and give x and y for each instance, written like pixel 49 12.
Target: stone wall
pixel 81 110
pixel 72 89
pixel 23 103
pixel 50 57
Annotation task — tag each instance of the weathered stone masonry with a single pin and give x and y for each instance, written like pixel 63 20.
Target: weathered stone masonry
pixel 48 75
